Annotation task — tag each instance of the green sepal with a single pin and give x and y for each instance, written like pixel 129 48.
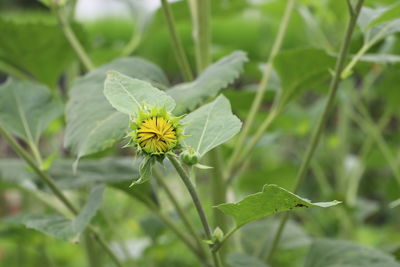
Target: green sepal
pixel 144 170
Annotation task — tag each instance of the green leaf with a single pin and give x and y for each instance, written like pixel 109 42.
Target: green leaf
pixel 243 260
pixel 128 95
pixel 211 125
pixel 300 69
pixel 216 77
pixel 333 253
pixel 26 108
pixel 59 226
pixel 36 46
pixel 271 200
pixel 92 123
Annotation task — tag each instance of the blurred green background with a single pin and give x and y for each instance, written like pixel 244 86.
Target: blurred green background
pixel 350 164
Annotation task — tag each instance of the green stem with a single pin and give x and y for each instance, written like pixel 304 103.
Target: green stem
pixel 53 187
pixel 179 210
pixel 196 201
pixel 218 191
pixel 176 41
pixel 73 40
pixel 200 10
pixel 263 84
pixel 321 121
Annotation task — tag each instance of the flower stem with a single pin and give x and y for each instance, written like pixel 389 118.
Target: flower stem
pixel 72 39
pixel 56 191
pixel 196 201
pixel 321 121
pixel 263 84
pixel 179 210
pixel 178 47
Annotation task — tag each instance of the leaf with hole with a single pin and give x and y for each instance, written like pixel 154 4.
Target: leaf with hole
pixel 271 200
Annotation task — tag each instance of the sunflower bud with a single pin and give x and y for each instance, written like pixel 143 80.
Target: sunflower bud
pixel 190 156
pixel 155 131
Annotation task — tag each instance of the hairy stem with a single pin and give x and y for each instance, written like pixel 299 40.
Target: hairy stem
pixel 321 121
pixel 196 201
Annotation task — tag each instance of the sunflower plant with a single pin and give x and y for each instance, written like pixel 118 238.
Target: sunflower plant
pixel 186 133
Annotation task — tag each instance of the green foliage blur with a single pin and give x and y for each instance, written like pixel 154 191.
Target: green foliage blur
pixel 357 161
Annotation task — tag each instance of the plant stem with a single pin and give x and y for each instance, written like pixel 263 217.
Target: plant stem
pixel 56 191
pixel 176 41
pixel 72 39
pixel 200 10
pixel 218 189
pixel 196 201
pixel 263 84
pixel 321 121
pixel 179 210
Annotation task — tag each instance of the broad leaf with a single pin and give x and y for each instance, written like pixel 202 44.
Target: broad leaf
pixel 92 123
pixel 300 69
pixel 211 125
pixel 61 227
pixel 271 200
pixel 128 95
pixel 26 108
pixel 333 253
pixel 216 77
pixel 35 45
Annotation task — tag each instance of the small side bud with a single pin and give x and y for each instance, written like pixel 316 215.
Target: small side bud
pixel 190 156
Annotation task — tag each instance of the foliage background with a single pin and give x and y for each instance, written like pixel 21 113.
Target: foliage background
pixel 351 163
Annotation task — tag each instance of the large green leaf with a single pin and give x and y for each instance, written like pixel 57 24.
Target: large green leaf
pixel 26 108
pixel 128 95
pixel 302 68
pixel 216 77
pixel 61 227
pixel 210 125
pixel 36 46
pixel 92 123
pixel 271 200
pixel 333 253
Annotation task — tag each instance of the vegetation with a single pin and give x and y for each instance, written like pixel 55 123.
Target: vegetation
pixel 195 135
